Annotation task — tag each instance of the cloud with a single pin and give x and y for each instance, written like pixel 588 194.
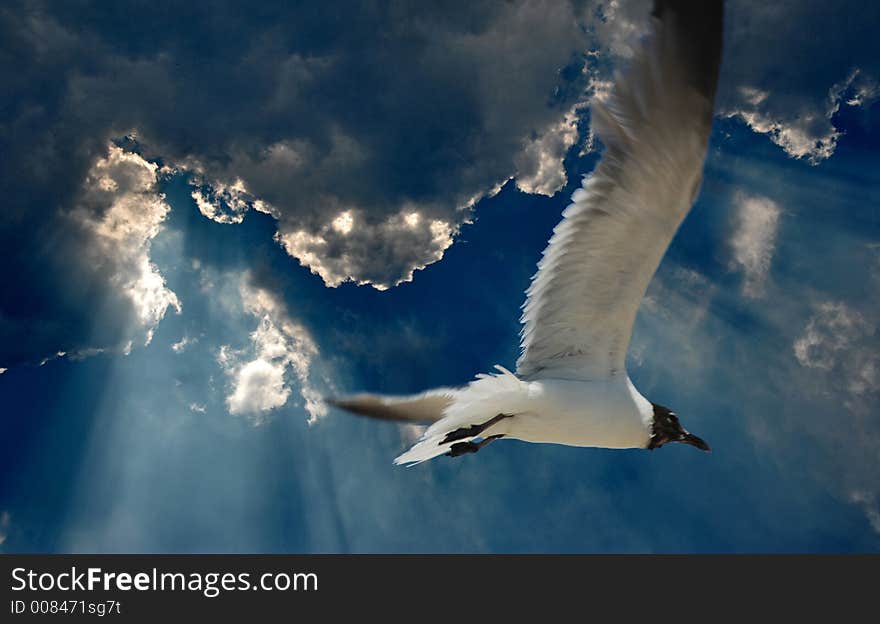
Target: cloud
pixel 348 246
pixel 777 81
pixel 809 133
pixel 789 86
pixel 122 212
pixel 868 502
pixel 259 374
pixel 858 89
pixel 385 112
pixel 840 347
pixel 259 387
pixel 830 334
pixel 183 343
pixel 543 156
pixel 754 239
pixel 223 203
pixel 397 117
pixel 866 378
pixel 814 400
pixel 5 522
pixel 98 287
pixel 496 124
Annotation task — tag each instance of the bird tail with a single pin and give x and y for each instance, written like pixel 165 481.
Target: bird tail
pixel 476 412
pixel 423 408
pixel 455 415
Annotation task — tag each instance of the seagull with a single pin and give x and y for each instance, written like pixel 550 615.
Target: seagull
pixel 571 385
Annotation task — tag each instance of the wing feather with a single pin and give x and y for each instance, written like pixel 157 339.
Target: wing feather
pixel 582 302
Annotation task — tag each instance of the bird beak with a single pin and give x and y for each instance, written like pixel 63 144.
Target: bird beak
pixel 689 438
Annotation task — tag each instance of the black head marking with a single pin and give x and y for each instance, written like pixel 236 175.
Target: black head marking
pixel 666 428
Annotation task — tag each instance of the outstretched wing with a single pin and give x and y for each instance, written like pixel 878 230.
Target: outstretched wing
pixel 583 300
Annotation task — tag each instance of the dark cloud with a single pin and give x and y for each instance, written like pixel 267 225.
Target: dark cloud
pixel 790 66
pixel 367 129
pixel 398 115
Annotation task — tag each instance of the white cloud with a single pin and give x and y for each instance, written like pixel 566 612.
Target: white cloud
pixel 55 356
pixel 754 240
pixel 122 211
pixel 763 87
pixel 201 408
pixel 622 23
pixel 3 370
pixel 540 164
pixel 831 332
pixel 868 503
pixel 183 343
pixel 787 84
pixel 866 378
pixel 259 387
pixel 278 345
pixel 810 135
pixel 802 127
pixel 841 344
pixel 858 89
pixel 340 242
pixel 753 96
pixel 343 223
pixel 5 522
pixel 349 247
pixel 225 203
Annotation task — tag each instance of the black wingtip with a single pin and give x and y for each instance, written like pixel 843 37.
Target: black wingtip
pixel 699 26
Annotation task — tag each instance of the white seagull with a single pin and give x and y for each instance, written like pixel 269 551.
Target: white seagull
pixel 571 385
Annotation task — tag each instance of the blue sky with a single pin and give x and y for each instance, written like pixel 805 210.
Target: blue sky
pixel 219 217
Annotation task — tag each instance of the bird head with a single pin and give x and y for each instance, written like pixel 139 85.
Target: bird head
pixel 666 428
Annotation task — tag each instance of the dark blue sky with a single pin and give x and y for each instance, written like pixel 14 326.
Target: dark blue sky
pixel 236 165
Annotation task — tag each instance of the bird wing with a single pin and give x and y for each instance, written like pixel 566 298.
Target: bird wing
pixel 582 302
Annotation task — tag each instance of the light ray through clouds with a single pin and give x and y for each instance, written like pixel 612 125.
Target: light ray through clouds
pixel 160 475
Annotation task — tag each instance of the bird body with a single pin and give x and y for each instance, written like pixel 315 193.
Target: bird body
pixel 607 413
pixel 571 386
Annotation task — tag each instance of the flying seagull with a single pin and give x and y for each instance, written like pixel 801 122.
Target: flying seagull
pixel 571 385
